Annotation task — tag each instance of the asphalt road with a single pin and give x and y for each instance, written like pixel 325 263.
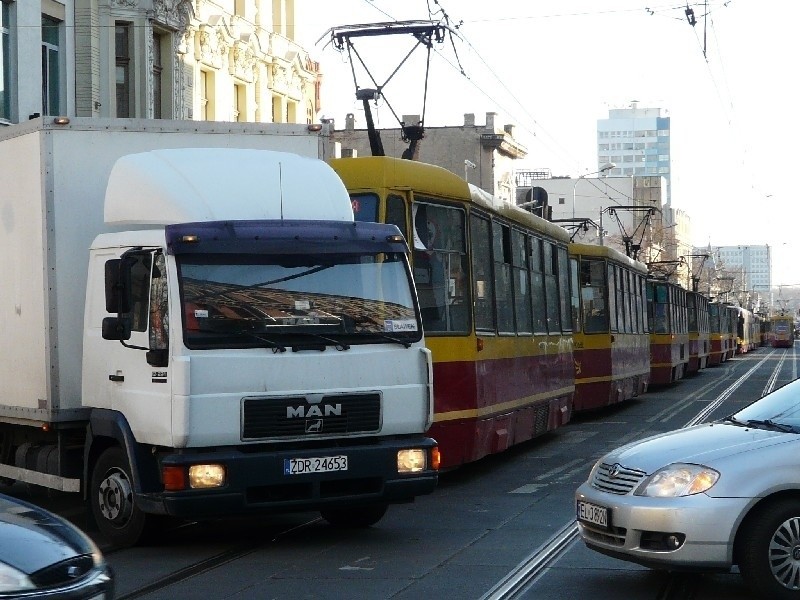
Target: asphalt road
pixel 482 523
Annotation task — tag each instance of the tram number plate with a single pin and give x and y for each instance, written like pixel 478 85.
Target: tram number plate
pixel 591 513
pixel 317 464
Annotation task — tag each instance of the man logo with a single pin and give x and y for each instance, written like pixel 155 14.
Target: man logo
pixel 315 410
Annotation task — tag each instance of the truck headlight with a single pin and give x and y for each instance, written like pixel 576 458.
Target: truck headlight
pixel 12 580
pixel 679 479
pixel 206 476
pixel 412 460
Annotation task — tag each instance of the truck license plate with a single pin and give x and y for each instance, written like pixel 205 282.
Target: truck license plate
pixel 317 464
pixel 591 513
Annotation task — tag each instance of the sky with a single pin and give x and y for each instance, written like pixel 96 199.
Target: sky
pixel 553 68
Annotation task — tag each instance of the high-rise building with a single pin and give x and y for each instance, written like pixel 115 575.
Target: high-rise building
pixel 637 141
pixel 749 268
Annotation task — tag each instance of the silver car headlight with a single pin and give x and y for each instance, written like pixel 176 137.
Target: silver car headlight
pixel 12 580
pixel 679 479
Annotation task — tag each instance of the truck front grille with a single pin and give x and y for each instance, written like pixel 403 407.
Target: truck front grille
pixel 292 417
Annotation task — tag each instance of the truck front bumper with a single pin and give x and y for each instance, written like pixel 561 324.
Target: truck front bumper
pixel 257 480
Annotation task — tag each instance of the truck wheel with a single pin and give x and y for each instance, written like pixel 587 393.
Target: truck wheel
pixel 770 557
pixel 111 499
pixel 357 516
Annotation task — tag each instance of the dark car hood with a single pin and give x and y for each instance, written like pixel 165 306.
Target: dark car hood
pixel 32 538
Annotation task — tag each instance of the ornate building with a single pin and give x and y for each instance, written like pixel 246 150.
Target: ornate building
pixel 222 60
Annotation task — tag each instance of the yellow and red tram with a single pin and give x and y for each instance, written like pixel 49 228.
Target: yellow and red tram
pixel 781 331
pixel 669 331
pixel 493 284
pixel 699 331
pixel 611 337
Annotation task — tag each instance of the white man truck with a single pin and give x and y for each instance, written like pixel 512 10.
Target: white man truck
pixel 195 327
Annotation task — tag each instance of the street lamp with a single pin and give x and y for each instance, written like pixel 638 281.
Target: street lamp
pixel 604 169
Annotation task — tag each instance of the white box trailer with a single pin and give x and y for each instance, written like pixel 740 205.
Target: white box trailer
pixel 196 327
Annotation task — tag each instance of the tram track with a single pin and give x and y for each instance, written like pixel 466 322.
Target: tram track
pixel 209 564
pixel 677 586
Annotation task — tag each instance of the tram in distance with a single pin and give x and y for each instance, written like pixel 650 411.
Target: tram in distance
pixel 780 331
pixel 524 326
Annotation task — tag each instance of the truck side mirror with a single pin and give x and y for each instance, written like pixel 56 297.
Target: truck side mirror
pixel 118 287
pixel 116 328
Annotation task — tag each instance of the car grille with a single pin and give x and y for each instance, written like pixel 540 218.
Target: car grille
pixel 291 417
pixel 67 571
pixel 614 536
pixel 616 479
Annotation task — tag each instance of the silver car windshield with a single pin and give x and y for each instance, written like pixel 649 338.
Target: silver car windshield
pixel 274 301
pixel 779 410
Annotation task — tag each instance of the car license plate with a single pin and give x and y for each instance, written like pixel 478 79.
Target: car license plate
pixel 317 464
pixel 591 513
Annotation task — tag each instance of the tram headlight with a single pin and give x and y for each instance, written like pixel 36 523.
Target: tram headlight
pixel 677 480
pixel 412 460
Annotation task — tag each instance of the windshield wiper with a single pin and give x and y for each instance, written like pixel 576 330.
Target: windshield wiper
pixel 734 420
pixel 770 424
pixel 235 329
pixel 340 346
pixel 391 338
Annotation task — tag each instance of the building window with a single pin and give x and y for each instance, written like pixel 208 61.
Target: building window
pixel 51 90
pixel 5 48
pixel 158 69
pixel 206 96
pixel 122 43
pixel 239 113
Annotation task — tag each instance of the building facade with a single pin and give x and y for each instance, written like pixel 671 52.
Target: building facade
pixel 483 154
pixel 749 269
pixel 216 60
pixel 637 141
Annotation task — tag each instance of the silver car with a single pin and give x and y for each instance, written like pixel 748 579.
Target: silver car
pixel 706 497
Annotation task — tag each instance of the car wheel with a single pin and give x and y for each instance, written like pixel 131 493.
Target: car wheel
pixel 357 516
pixel 770 555
pixel 111 499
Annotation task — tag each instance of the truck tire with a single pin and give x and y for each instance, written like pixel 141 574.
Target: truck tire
pixel 111 499
pixel 354 517
pixel 771 550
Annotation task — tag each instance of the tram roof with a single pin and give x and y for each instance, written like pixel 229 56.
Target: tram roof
pixel 607 252
pixel 369 172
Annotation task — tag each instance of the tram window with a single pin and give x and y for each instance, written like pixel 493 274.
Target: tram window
pixel 504 294
pixel 482 282
pixel 365 207
pixel 612 298
pixel 551 288
pixel 563 288
pixel 396 213
pixel 522 288
pixel 439 259
pixel 575 298
pixel 593 295
pixel 537 286
pixel 692 312
pixel 629 313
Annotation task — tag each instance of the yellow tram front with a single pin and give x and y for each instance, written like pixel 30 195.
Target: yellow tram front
pixel 611 335
pixel 493 286
pixel 781 331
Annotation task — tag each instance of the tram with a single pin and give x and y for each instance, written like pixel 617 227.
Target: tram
pixel 699 331
pixel 722 332
pixel 611 333
pixel 669 331
pixel 493 283
pixel 781 331
pixel 746 330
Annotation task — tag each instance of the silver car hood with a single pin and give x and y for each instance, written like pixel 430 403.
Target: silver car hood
pixel 708 444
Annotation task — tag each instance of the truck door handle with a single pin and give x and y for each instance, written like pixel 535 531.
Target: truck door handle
pixel 116 378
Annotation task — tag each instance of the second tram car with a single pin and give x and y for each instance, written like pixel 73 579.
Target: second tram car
pixel 722 325
pixel 611 334
pixel 493 285
pixel 669 331
pixel 699 331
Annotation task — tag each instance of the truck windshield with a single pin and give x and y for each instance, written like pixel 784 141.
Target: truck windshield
pixel 277 301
